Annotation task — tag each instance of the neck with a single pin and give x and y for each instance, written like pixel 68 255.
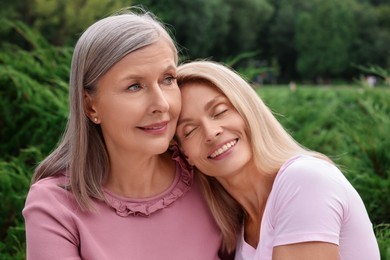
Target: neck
pixel 251 189
pixel 140 177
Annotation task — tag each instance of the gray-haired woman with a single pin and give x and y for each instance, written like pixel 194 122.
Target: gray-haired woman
pixel 115 187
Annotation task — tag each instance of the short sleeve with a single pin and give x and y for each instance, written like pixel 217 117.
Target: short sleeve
pixel 50 232
pixel 309 203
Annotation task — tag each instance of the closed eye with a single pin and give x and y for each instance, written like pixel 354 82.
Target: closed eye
pixel 188 132
pixel 220 113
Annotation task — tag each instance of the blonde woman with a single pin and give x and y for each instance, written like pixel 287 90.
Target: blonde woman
pixel 271 196
pixel 115 188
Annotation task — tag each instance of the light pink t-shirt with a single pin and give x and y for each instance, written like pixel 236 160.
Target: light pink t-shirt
pixel 311 200
pixel 173 225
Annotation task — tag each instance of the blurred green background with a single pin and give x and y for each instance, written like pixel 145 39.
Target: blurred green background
pixel 322 66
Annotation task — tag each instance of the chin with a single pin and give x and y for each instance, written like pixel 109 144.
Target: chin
pixel 160 148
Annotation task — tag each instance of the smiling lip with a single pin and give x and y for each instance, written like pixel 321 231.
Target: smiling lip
pixel 223 149
pixel 157 128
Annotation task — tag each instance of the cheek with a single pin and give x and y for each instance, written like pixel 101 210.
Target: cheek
pixel 174 100
pixel 192 150
pixel 105 108
pixel 186 149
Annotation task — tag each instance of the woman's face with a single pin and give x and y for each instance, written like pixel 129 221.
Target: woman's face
pixel 137 102
pixel 211 132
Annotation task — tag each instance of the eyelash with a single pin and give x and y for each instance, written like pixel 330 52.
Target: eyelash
pixel 189 132
pixel 220 113
pixel 134 85
pixel 170 79
pixel 186 134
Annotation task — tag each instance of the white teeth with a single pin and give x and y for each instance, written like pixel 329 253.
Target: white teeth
pixel 223 149
pixel 153 128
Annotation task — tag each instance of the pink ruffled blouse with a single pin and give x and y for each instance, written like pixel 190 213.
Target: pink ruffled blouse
pixel 175 224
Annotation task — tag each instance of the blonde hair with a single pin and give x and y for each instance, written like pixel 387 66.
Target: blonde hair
pixel 82 153
pixel 271 144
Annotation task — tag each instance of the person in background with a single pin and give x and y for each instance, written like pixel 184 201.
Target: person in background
pixel 116 187
pixel 273 197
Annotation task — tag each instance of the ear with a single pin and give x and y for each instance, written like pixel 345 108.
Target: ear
pixel 89 108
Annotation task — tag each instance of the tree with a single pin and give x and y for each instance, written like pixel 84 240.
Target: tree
pixel 196 25
pixel 280 39
pixel 213 28
pixel 279 35
pixel 61 21
pixel 324 38
pixel 246 21
pixel 64 20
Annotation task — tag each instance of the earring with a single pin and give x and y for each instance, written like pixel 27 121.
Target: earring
pixel 95 119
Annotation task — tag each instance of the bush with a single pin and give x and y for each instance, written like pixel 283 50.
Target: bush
pixel 33 94
pixel 349 124
pixel 33 105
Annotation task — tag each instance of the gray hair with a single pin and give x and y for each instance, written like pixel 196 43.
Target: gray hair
pixel 82 153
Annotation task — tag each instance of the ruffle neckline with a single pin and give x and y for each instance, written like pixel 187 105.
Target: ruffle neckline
pixel 144 207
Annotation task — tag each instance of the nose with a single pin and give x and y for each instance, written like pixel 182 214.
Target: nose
pixel 212 131
pixel 158 100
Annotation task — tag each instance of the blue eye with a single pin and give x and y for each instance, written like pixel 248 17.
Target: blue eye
pixel 169 80
pixel 134 87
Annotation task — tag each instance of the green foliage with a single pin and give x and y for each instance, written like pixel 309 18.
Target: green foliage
pixel 244 63
pixel 324 38
pixel 33 105
pixel 203 19
pixel 314 38
pixel 373 36
pixel 213 28
pixel 383 237
pixel 15 175
pixel 281 36
pixel 62 18
pixel 60 21
pixel 349 124
pixel 246 21
pixel 290 38
pixel 376 70
pixel 31 81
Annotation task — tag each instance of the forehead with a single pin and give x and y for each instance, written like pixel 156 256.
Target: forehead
pixel 146 58
pixel 156 50
pixel 199 89
pixel 198 97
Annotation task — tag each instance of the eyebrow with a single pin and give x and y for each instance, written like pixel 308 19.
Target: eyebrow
pixel 208 105
pixel 136 76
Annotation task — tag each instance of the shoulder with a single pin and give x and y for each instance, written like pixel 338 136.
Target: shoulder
pixel 49 215
pixel 309 171
pixel 307 202
pixel 308 181
pixel 50 195
pixel 49 185
pixel 303 164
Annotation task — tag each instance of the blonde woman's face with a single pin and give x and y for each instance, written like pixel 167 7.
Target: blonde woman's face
pixel 137 102
pixel 211 132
